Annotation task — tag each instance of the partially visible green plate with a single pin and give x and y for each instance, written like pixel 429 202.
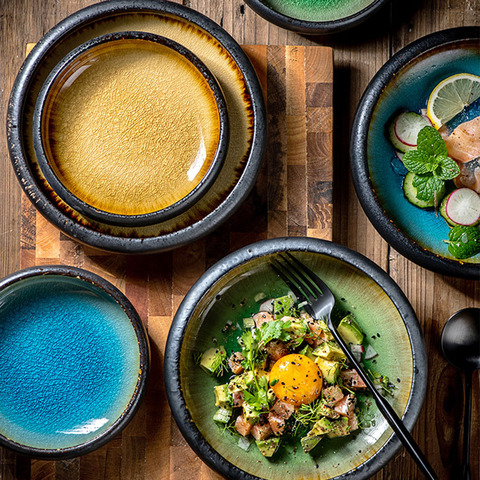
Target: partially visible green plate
pixel 226 292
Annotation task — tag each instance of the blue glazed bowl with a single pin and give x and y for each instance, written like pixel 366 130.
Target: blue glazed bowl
pixel 74 360
pixel 404 83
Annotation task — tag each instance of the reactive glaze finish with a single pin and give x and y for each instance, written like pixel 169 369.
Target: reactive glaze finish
pixel 222 56
pixel 316 17
pixel 73 361
pixel 226 291
pixel 130 124
pixel 404 84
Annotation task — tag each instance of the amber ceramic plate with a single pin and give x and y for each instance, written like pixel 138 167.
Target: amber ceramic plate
pixel 130 129
pixel 222 56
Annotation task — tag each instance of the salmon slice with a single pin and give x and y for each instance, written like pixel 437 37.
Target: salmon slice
pixel 261 430
pixel 242 426
pixel 346 406
pixel 331 395
pixel 351 379
pixel 463 145
pixel 235 363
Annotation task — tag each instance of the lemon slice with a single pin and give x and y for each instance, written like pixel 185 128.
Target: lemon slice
pixel 451 96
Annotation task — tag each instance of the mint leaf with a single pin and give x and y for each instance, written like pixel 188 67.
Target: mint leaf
pixel 431 142
pixel 447 168
pixel 427 187
pixel 417 162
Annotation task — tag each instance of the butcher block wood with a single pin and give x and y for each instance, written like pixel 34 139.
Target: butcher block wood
pixel 293 196
pixel 359 54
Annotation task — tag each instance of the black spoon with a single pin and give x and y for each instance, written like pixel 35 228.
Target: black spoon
pixel 460 344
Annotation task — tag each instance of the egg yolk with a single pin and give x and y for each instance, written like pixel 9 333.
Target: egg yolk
pixel 296 379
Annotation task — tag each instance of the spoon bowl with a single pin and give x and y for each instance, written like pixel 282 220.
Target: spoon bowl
pixel 460 343
pixel 460 340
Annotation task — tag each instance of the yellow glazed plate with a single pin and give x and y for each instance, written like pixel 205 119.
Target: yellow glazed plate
pixel 222 56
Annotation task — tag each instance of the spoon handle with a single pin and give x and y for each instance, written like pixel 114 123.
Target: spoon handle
pixel 467 420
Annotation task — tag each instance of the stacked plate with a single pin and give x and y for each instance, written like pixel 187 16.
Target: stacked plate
pixel 62 194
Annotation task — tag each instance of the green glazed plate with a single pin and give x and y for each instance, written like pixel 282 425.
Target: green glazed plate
pixel 226 293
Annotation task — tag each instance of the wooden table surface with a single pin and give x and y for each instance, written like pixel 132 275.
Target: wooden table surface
pixel 357 56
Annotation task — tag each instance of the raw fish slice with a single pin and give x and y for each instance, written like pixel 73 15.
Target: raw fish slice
pixel 463 144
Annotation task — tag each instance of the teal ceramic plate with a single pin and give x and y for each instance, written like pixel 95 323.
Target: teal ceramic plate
pixel 404 83
pixel 73 361
pixel 226 292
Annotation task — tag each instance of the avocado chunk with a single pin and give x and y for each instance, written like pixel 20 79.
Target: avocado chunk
pixel 350 331
pixel 222 415
pixel 297 330
pixel 321 427
pixel 250 414
pixel 239 383
pixel 269 446
pixel 340 428
pixel 330 369
pixel 327 334
pixel 310 442
pixel 213 359
pixel 223 398
pixel 282 306
pixel 329 351
pixel 308 352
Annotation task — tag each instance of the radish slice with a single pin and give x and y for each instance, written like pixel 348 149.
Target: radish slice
pixel 400 156
pixel 463 207
pixel 371 353
pixel 407 125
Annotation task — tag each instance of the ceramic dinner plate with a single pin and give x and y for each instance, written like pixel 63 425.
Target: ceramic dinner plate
pixel 404 83
pixel 224 58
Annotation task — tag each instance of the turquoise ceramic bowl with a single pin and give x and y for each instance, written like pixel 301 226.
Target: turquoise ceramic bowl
pixel 225 295
pixel 73 361
pixel 404 83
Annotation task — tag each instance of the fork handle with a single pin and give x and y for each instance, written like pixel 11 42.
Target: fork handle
pixel 389 414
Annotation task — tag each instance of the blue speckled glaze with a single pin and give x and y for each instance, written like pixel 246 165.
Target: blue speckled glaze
pixel 409 91
pixel 69 361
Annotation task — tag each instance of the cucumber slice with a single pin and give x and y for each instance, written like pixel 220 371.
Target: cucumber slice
pixel 443 212
pixel 411 193
pixel 462 207
pixel 404 130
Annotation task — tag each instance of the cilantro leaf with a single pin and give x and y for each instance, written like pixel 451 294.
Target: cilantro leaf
pixel 427 187
pixel 447 168
pixel 276 330
pixel 431 142
pixel 419 162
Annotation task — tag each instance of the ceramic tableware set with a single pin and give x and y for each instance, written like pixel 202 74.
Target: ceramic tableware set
pixel 139 127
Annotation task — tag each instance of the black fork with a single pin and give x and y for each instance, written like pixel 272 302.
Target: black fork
pixel 308 287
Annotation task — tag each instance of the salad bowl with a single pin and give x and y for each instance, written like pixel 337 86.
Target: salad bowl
pixel 404 84
pixel 211 315
pixel 74 361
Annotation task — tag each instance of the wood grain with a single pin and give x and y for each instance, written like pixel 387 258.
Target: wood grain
pixel 358 55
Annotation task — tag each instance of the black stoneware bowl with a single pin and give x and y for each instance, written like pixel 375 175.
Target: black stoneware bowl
pixel 404 83
pixel 316 18
pixel 223 57
pixel 115 149
pixel 74 361
pixel 212 313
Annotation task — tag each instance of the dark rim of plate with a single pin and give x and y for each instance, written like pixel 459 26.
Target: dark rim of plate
pixel 89 235
pixel 310 27
pixel 267 247
pixel 144 354
pixel 130 220
pixel 359 161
